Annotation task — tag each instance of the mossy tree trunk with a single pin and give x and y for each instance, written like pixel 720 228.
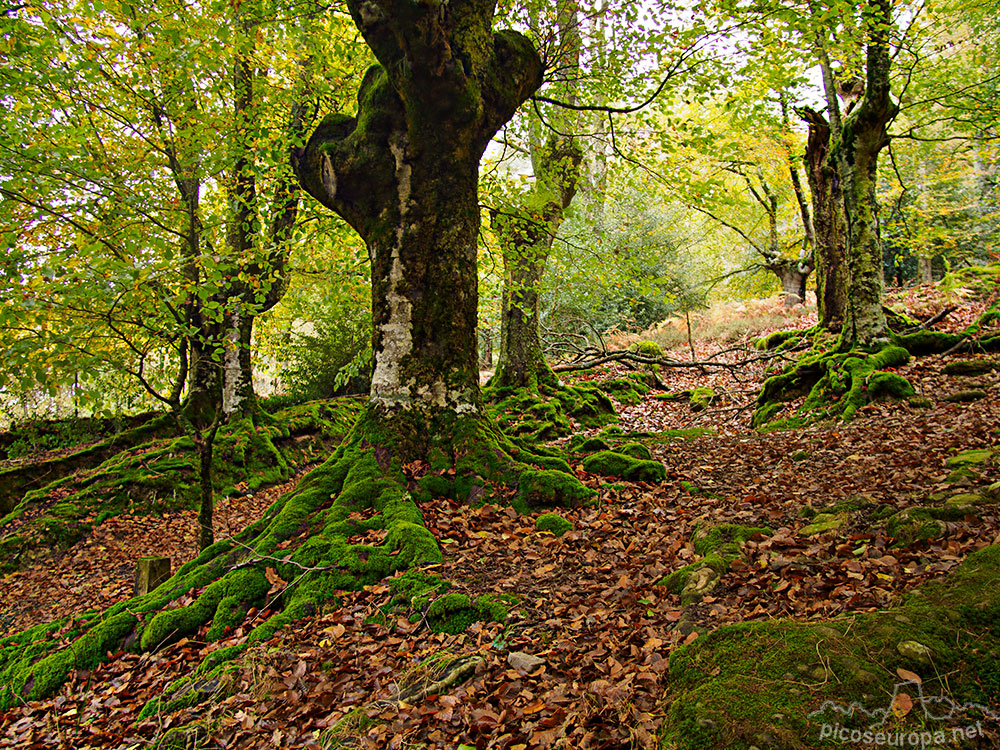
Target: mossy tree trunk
pixel 404 174
pixel 793 274
pixel 527 231
pixel 828 223
pixel 856 141
pixel 258 278
pixel 526 235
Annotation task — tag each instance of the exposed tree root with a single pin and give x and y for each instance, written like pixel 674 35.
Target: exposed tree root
pixel 255 451
pixel 548 411
pixel 835 384
pixel 350 522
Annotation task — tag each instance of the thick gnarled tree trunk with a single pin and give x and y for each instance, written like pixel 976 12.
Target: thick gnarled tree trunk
pixel 856 141
pixel 404 174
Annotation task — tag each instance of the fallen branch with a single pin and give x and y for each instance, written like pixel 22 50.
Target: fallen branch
pixel 931 321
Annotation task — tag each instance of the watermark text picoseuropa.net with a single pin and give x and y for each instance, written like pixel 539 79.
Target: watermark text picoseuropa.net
pixel 922 739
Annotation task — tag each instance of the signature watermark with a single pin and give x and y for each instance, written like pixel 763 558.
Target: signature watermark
pixel 965 721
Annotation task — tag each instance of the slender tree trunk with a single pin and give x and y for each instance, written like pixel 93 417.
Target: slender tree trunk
pixel 828 222
pixel 206 508
pixel 265 269
pixel 526 238
pixel 528 231
pixel 862 136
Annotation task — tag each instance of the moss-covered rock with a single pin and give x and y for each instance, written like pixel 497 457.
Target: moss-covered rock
pixel 636 450
pixel 615 464
pixel 697 579
pixel 553 523
pixel 965 396
pixel 727 537
pixel 824 523
pixel 776 683
pixel 970 458
pixel 911 525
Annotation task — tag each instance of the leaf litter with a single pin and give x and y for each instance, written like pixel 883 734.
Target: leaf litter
pixel 589 609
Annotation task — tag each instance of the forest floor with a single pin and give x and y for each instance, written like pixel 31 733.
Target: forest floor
pixel 589 608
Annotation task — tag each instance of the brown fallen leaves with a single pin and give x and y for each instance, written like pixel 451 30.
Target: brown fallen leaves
pixel 589 608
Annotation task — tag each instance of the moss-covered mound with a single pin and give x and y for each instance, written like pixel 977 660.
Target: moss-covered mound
pixel 625 466
pixel 835 385
pixel 30 471
pixel 553 523
pixel 629 389
pixel 163 474
pixel 550 411
pixel 784 684
pixel 724 537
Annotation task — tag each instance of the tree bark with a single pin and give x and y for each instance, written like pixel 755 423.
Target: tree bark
pixel 528 231
pixel 828 222
pixel 862 136
pixel 404 174
pixel 526 237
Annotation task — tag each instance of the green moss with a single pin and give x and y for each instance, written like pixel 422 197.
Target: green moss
pixel 611 463
pixel 824 523
pixel 646 348
pixel 777 339
pixel 836 384
pixel 628 390
pixel 553 523
pixel 544 488
pixel 547 412
pixel 923 343
pixel 710 538
pixel 970 458
pixel 636 450
pixel 451 613
pixel 236 591
pixel 911 525
pixel 965 396
pixel 676 581
pixel 764 683
pixel 701 398
pixel 588 445
pixel 970 367
pixel 158 476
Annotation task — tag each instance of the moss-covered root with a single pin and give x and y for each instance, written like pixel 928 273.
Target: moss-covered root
pixel 779 683
pixel 313 539
pixel 625 466
pixel 549 411
pixel 837 384
pixel 249 452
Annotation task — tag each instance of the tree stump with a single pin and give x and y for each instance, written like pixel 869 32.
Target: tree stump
pixel 150 572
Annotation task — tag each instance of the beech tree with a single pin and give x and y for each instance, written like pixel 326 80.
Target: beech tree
pixel 404 174
pixel 527 228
